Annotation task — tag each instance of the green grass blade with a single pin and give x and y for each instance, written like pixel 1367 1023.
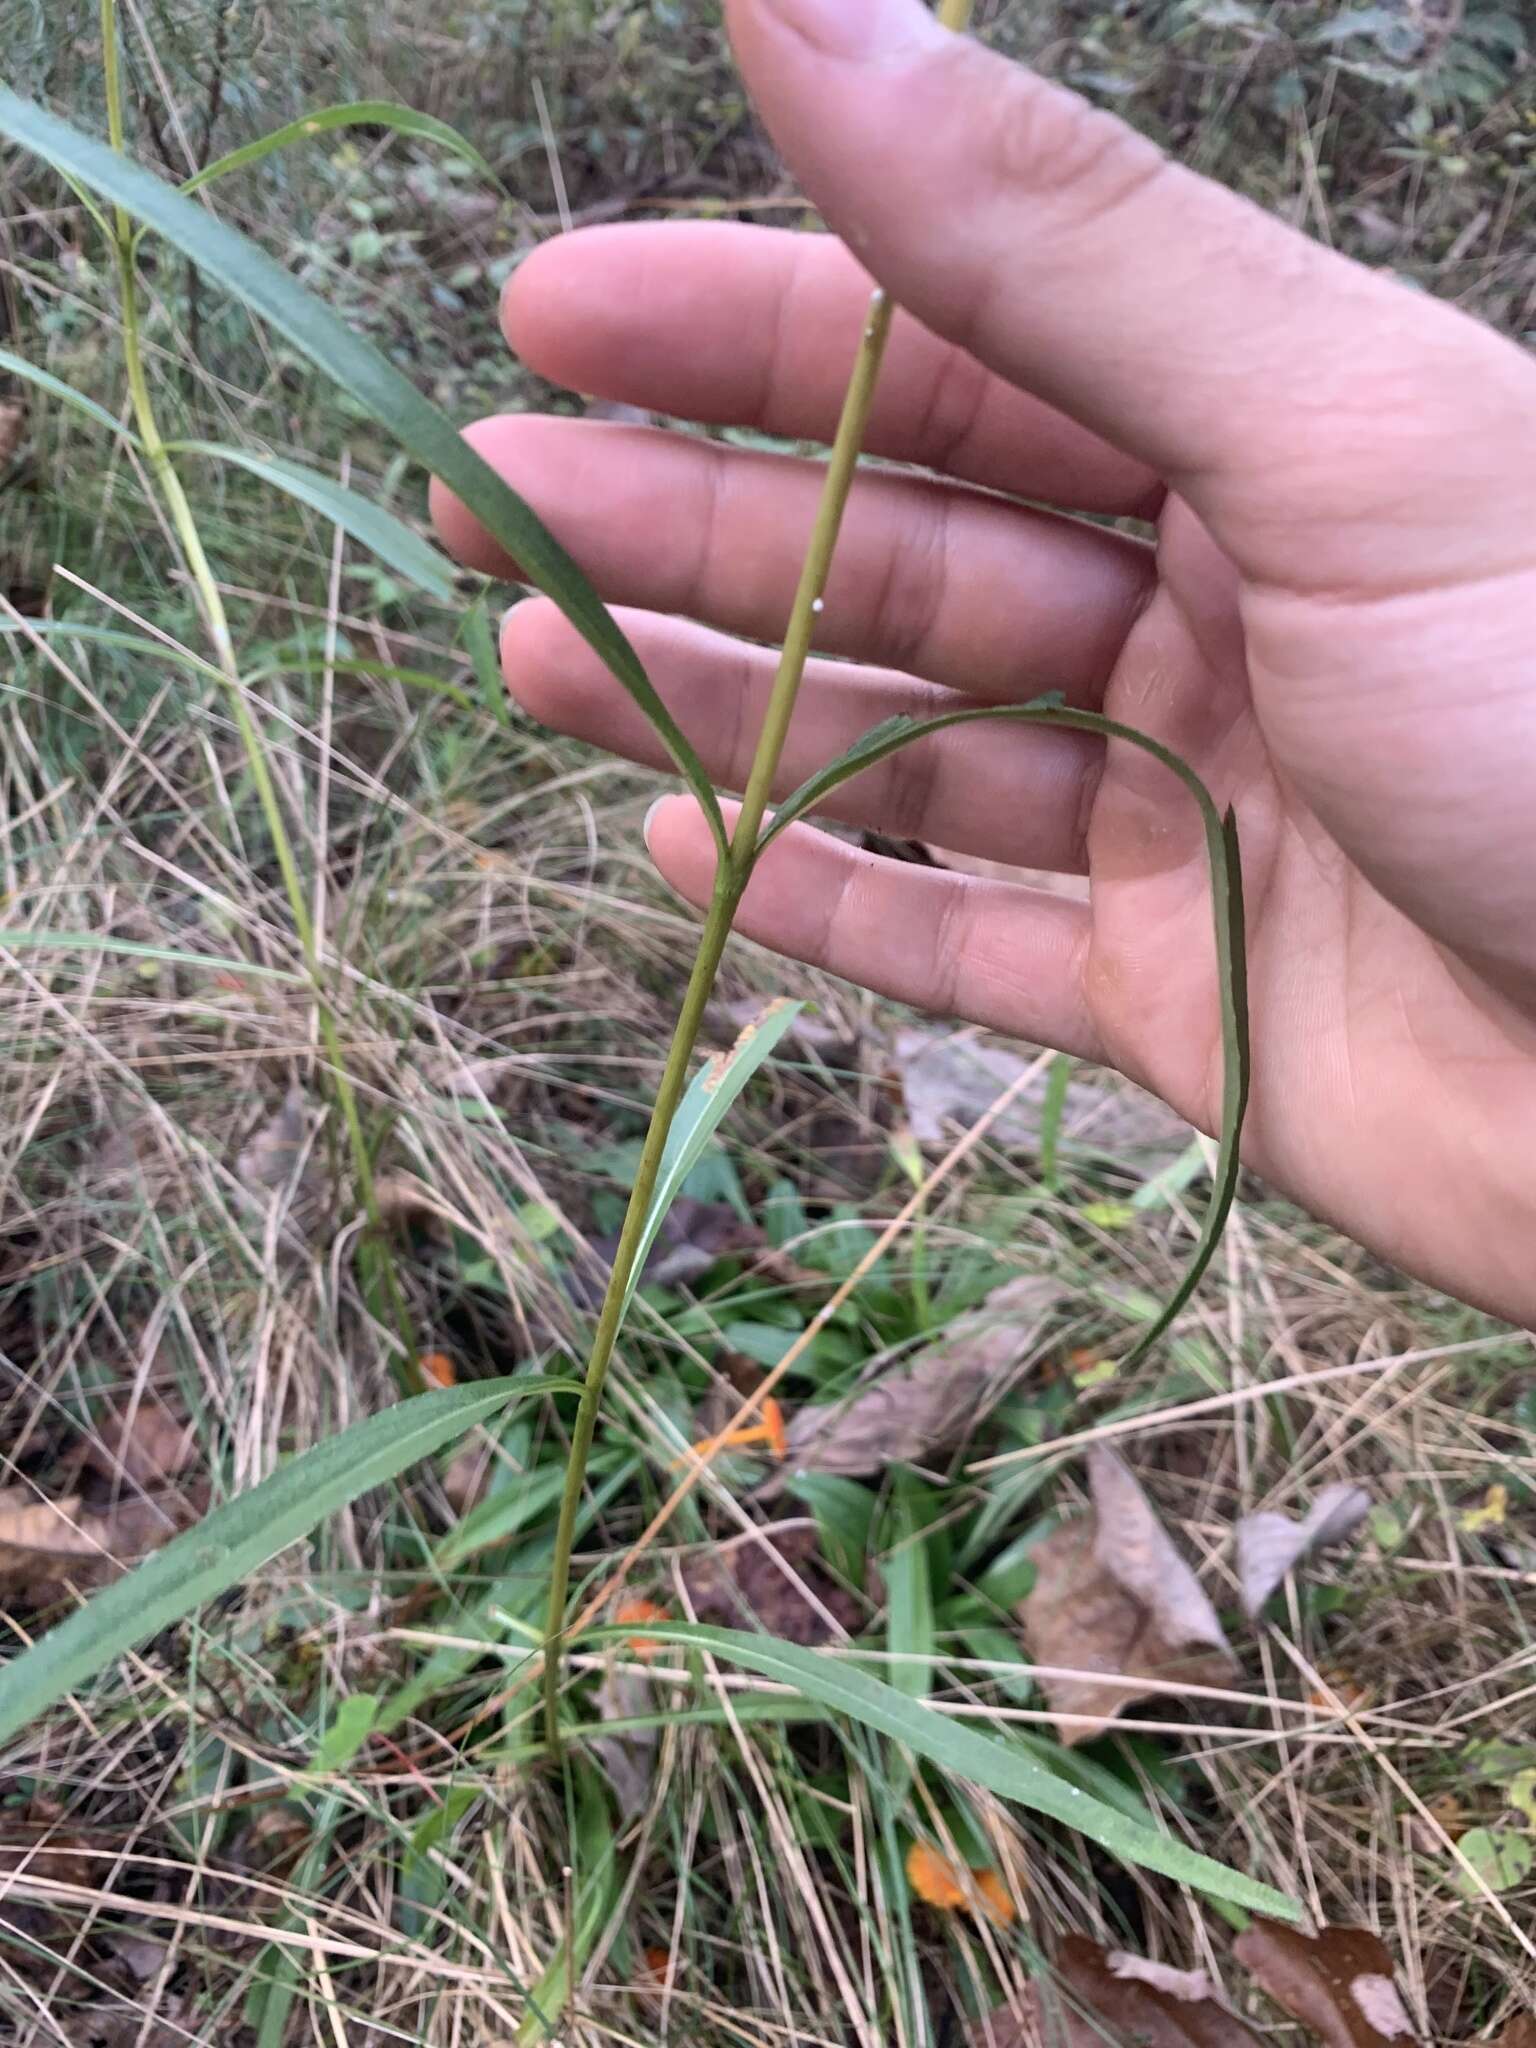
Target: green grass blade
pixel 1227 909
pixel 378 530
pixel 906 1568
pixel 240 1536
pixel 109 636
pixel 982 1759
pixel 386 671
pixel 374 384
pixel 354 114
pixel 18 366
pixel 142 949
pixel 480 646
pixel 700 1114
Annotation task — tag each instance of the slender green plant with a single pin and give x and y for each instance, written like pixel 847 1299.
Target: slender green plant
pixel 238 1537
pixel 162 469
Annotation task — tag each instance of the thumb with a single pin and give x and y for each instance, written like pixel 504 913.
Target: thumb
pixel 1272 383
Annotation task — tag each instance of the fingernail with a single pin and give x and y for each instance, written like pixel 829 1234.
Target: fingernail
pixel 853 28
pixel 645 829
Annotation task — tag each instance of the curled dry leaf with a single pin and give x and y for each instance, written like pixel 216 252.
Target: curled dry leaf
pixel 748 1585
pixel 1338 1982
pixel 909 1415
pixel 49 1547
pixel 1189 1985
pixel 1086 2002
pixel 1270 1545
pixel 1114 1602
pixel 142 1442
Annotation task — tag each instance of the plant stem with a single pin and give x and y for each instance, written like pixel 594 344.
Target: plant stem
pixel 211 603
pixel 730 886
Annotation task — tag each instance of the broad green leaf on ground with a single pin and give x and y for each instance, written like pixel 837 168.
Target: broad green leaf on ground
pixel 985 1760
pixel 1502 1858
pixel 18 366
pixel 844 1513
pixel 354 114
pixel 378 530
pixel 374 384
pixel 701 1112
pixel 906 1568
pixel 236 1539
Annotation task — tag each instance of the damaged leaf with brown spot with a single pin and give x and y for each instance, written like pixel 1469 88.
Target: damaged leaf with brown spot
pixel 1115 1605
pixel 1089 1999
pixel 1338 1982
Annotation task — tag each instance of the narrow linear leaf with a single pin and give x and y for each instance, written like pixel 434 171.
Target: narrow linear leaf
pixel 239 1537
pixel 386 671
pixel 109 636
pixel 385 393
pixel 354 114
pixel 982 1759
pixel 1227 910
pixel 700 1114
pixel 480 646
pixel 141 949
pixel 378 530
pixel 18 366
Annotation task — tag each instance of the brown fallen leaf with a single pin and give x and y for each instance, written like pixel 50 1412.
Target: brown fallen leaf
pixel 282 1169
pixel 1086 2002
pixel 13 422
pixel 140 1441
pixel 911 1414
pixel 1270 1545
pixel 948 1078
pixel 466 1476
pixel 1114 1601
pixel 1338 1982
pixel 1520 2032
pixel 693 1237
pixel 742 1585
pixel 628 1755
pixel 48 1547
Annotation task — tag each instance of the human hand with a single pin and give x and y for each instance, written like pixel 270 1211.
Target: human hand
pixel 1336 627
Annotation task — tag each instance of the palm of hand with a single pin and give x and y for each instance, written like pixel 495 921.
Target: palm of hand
pixel 1383 1062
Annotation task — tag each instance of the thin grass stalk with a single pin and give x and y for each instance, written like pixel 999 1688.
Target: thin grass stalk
pixel 183 520
pixel 734 873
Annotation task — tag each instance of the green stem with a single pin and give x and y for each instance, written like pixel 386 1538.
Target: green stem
pixel 184 523
pixel 730 885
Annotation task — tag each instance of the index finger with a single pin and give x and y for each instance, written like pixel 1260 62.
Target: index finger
pixel 755 327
